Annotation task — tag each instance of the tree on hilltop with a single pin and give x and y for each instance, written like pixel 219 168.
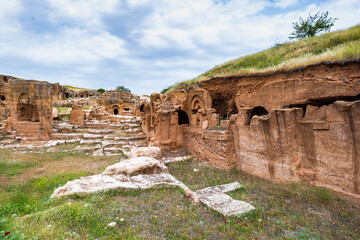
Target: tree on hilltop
pixel 101 90
pixel 312 25
pixel 123 88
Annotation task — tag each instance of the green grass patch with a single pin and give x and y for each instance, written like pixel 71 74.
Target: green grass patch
pixel 11 168
pixel 283 210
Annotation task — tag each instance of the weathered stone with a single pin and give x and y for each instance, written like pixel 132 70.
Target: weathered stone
pixel 138 165
pixel 77 115
pixel 154 152
pixel 215 198
pixel 55 113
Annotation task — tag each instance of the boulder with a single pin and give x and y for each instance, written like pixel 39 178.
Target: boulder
pixel 153 152
pixel 55 113
pixel 136 166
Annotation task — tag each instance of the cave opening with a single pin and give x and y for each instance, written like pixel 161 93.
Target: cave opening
pixel 182 117
pixel 256 111
pixel 142 108
pixel 2 98
pixel 116 111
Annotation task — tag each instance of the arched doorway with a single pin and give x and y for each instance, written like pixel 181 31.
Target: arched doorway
pixel 115 110
pixel 182 117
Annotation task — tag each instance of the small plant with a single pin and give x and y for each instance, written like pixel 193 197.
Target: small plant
pixel 312 25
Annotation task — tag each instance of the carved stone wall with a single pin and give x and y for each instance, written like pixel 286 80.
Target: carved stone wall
pixel 27 106
pixel 302 125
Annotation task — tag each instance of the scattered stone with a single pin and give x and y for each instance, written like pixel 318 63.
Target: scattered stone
pixel 112 224
pixel 196 170
pixel 98 153
pixel 215 198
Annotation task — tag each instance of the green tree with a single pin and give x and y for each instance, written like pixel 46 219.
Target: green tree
pixel 101 90
pixel 312 25
pixel 123 88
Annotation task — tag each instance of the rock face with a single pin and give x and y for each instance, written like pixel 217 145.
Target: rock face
pixel 300 125
pixel 27 106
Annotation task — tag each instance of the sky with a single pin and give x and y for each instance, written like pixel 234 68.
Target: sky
pixel 145 45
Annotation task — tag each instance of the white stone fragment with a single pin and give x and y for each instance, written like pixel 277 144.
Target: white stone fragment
pixel 154 152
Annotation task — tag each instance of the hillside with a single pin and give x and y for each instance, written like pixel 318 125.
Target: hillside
pixel 76 89
pixel 333 46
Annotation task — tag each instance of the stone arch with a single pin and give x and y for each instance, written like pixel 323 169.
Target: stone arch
pixel 196 104
pixel 115 110
pixel 256 111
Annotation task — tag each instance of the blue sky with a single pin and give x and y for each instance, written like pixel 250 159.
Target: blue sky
pixel 145 45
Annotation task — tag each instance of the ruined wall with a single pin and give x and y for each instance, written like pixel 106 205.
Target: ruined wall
pixel 284 145
pixel 118 102
pixel 301 125
pixel 28 107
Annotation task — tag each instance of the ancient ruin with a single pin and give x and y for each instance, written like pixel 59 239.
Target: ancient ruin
pixel 300 125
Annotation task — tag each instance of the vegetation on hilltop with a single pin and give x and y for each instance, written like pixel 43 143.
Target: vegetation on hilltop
pixel 333 46
pixel 76 89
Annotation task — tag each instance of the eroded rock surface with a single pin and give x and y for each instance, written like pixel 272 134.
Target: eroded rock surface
pixel 149 173
pixel 154 152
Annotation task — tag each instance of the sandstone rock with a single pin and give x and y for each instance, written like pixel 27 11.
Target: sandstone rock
pixel 191 196
pixel 154 152
pixel 77 115
pixel 55 113
pixel 135 166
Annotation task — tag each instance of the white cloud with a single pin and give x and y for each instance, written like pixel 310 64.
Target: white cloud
pixel 285 3
pixel 162 43
pixel 83 12
pixel 9 9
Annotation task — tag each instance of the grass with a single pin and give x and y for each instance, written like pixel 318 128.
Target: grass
pixel 337 45
pixel 76 89
pixel 284 211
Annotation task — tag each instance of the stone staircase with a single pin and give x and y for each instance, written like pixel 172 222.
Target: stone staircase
pixel 98 138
